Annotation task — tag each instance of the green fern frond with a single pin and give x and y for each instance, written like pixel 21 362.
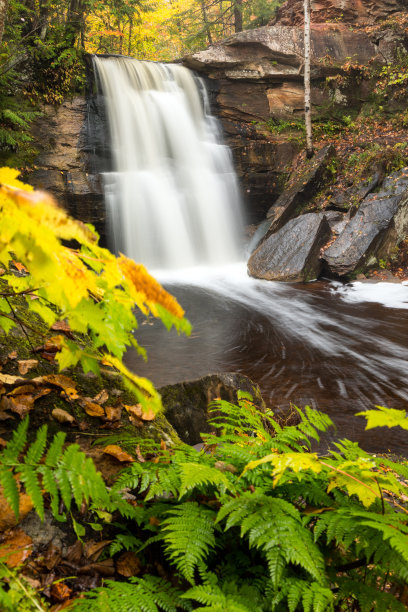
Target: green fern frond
pixel 29 477
pixel 368 598
pixel 215 600
pixel 55 450
pixel 62 474
pixel 10 453
pixel 10 488
pixel 148 594
pixel 188 534
pixel 194 475
pixel 36 450
pixel 124 541
pixel 305 596
pixel 274 523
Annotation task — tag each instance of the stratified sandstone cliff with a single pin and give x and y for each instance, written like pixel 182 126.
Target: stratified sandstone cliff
pixel 354 12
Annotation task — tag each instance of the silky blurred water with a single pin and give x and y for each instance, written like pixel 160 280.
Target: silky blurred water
pixel 341 349
pixel 172 197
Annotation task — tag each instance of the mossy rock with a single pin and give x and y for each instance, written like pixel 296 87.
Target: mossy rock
pixel 186 403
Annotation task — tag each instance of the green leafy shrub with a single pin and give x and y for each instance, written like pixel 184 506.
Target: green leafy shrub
pixel 254 522
pixel 92 290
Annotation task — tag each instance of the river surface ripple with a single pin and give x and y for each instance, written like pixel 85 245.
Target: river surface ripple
pixel 341 349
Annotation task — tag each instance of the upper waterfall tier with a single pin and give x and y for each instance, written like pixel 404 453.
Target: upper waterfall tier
pixel 172 197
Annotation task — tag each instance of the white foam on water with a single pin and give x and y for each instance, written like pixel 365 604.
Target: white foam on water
pixel 390 295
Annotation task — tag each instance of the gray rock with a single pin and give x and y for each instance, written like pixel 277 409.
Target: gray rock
pixel 43 532
pixel 302 190
pixel 292 253
pixel 379 224
pixel 186 403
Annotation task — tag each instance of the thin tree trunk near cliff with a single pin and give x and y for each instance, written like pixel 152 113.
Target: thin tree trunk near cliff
pixel 308 110
pixel 3 13
pixel 206 24
pixel 238 16
pixel 130 34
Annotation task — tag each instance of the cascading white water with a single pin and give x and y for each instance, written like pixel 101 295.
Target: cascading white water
pixel 172 198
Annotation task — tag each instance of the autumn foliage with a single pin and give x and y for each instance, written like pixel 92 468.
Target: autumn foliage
pixel 83 288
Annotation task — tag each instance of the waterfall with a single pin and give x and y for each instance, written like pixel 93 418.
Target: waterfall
pixel 172 197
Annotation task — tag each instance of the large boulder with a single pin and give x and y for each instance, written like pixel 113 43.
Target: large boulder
pixel 186 403
pixel 380 223
pixel 292 253
pixel 304 186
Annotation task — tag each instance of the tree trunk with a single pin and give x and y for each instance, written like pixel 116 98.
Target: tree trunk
pixel 308 113
pixel 206 24
pixel 3 13
pixel 130 35
pixel 238 16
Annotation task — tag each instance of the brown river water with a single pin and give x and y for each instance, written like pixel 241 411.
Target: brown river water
pixel 338 349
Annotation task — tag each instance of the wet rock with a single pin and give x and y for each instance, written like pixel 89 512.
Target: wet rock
pixel 349 199
pixel 64 166
pixel 302 190
pixel 292 253
pixel 380 223
pixel 336 220
pixel 186 403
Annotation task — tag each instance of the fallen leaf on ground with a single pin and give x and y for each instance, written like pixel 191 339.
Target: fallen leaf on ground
pixel 21 404
pixel 90 407
pixel 62 606
pixel 7 379
pixel 16 548
pixel 93 550
pixel 60 591
pixel 62 416
pixel 113 413
pixel 137 411
pixel 59 380
pixel 118 453
pixel 8 519
pixel 24 365
pixel 105 568
pixel 101 397
pixel 128 565
pixel 22 390
pixel 62 326
pixel 139 454
pixel 12 355
pixel 52 556
pixel 74 552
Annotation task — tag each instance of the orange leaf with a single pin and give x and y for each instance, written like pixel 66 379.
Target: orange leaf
pixel 16 548
pixel 91 408
pixel 118 453
pixel 60 591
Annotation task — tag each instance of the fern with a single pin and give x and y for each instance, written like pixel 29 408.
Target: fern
pixel 64 474
pixel 215 600
pixel 149 594
pixel 311 596
pixel 188 534
pixel 124 541
pixel 368 597
pixel 274 526
pixel 194 475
